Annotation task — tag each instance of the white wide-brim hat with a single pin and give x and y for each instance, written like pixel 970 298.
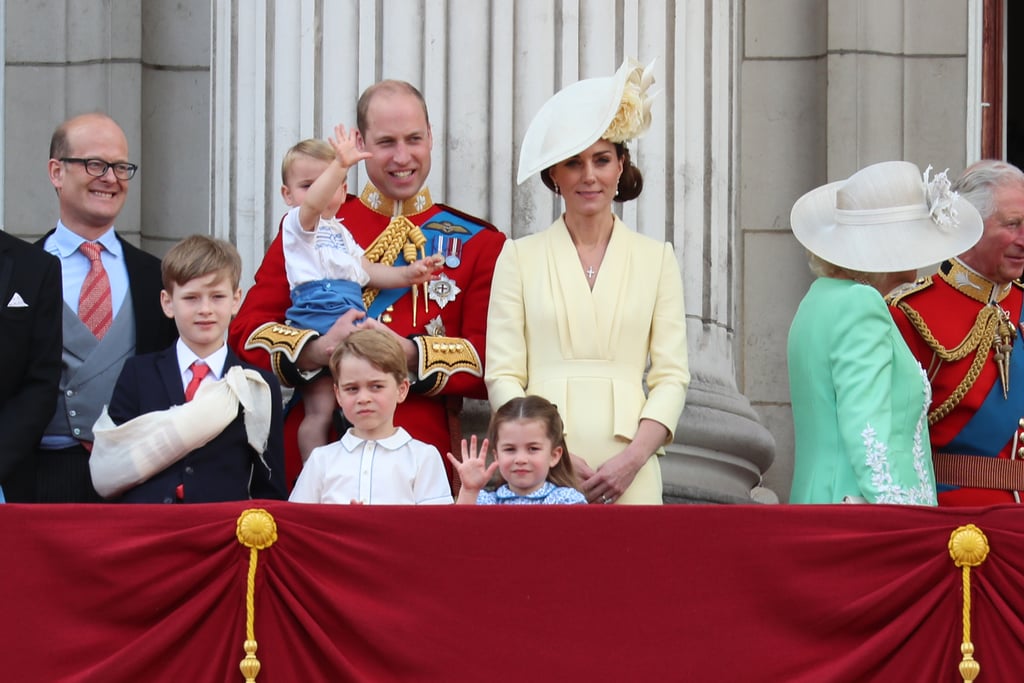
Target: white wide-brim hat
pixel 887 217
pixel 582 113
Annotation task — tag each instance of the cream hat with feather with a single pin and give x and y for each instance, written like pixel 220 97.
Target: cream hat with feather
pixel 887 217
pixel 615 108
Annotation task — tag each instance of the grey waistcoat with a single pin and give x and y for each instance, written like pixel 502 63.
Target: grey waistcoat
pixel 90 370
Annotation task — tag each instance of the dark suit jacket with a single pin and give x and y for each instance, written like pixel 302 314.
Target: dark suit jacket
pixel 227 468
pixel 153 330
pixel 30 345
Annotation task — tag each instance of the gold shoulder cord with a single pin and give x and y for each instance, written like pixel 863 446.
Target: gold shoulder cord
pixel 388 245
pixel 979 340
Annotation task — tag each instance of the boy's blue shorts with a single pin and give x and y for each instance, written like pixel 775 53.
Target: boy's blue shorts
pixel 317 305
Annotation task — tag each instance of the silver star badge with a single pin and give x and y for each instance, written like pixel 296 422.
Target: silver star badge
pixel 443 290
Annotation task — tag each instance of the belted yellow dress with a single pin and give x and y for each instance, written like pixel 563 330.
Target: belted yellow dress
pixel 586 350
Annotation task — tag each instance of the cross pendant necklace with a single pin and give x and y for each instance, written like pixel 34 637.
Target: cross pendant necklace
pixel 594 250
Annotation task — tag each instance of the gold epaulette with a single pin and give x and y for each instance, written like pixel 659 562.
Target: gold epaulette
pixel 275 338
pixel 906 289
pixel 442 357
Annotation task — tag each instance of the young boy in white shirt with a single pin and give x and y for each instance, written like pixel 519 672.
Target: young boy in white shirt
pixel 374 462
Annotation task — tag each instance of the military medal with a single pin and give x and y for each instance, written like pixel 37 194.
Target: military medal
pixel 443 290
pixel 450 248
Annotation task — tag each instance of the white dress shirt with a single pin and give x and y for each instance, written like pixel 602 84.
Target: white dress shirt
pixel 397 470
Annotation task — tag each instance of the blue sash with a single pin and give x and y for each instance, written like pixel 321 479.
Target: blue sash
pixel 443 223
pixel 986 433
pixel 991 427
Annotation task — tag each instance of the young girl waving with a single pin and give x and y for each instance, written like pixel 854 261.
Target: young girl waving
pixel 529 446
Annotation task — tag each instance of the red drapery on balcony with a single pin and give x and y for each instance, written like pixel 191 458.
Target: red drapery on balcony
pixel 351 593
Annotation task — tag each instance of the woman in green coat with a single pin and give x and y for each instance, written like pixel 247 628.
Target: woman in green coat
pixel 860 399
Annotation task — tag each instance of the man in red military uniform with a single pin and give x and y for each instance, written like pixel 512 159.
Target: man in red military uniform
pixel 964 325
pixel 441 324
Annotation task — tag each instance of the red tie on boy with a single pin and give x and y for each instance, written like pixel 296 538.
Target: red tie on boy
pixel 199 371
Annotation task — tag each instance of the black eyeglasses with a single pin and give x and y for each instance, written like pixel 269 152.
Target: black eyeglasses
pixel 98 167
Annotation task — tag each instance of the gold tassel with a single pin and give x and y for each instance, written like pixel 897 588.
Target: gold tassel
pixel 409 252
pixel 968 547
pixel 256 530
pixel 419 240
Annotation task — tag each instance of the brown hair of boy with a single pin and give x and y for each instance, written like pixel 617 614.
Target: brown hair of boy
pixel 379 349
pixel 198 256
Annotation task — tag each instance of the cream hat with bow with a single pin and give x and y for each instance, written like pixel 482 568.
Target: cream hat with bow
pixel 887 217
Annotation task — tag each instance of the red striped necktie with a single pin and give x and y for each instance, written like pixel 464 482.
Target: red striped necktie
pixel 94 305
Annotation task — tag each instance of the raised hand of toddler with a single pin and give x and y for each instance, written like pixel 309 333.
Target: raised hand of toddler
pixel 346 147
pixel 423 270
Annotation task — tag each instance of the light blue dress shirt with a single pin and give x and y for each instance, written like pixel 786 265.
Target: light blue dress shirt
pixel 75 265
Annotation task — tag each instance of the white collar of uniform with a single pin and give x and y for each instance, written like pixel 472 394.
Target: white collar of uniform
pixel 215 360
pixel 401 437
pixel 64 242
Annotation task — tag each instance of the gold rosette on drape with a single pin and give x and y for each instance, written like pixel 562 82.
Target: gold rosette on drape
pixel 968 547
pixel 256 530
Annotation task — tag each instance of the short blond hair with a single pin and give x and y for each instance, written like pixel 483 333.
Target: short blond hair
pixel 379 349
pixel 198 256
pixel 310 147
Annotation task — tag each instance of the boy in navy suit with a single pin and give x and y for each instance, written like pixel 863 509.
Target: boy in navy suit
pixel 193 423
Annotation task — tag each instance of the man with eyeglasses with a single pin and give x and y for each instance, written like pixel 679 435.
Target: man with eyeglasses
pixel 111 304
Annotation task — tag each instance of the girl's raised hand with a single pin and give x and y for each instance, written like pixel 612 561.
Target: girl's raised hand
pixel 473 468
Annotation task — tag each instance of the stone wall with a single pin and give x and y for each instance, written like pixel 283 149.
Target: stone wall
pixel 827 88
pixel 148 66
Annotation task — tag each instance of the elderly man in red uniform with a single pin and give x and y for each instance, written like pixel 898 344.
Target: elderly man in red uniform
pixel 963 325
pixel 441 324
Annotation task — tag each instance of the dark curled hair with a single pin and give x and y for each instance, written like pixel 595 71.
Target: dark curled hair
pixel 631 182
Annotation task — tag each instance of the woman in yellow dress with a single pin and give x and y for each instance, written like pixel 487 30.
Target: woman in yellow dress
pixel 580 310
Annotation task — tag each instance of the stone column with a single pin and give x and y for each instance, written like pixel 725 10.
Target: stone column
pixel 721 449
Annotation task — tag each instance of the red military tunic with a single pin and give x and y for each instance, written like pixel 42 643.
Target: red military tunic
pixel 450 324
pixel 957 312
